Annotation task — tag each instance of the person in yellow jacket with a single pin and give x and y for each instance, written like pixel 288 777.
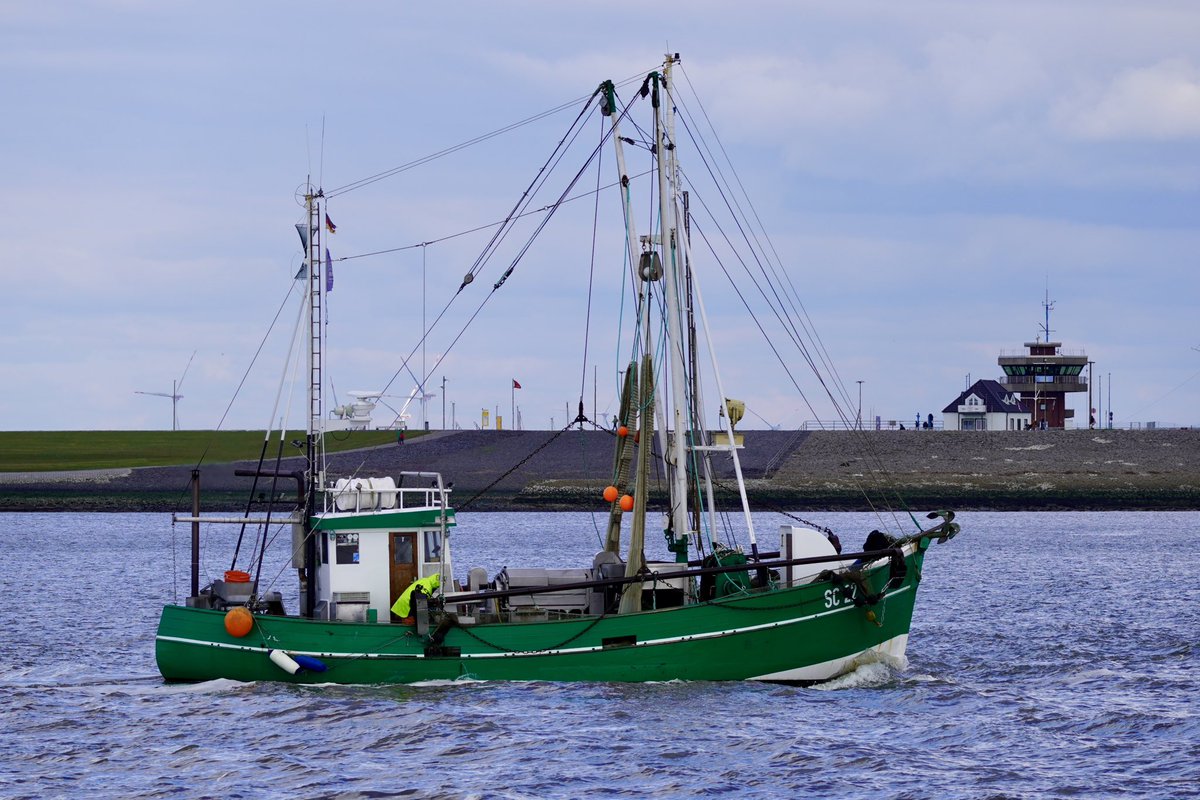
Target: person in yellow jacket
pixel 427 586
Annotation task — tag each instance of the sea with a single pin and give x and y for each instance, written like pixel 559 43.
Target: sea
pixel 1051 655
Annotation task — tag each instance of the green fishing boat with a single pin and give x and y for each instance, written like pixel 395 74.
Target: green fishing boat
pixel 381 601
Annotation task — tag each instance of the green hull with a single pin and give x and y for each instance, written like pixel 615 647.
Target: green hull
pixel 805 633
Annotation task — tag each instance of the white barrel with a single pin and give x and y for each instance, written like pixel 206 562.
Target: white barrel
pixel 367 499
pixel 343 495
pixel 385 489
pixel 284 661
pixel 354 495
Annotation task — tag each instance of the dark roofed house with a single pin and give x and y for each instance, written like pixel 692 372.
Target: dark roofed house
pixel 986 406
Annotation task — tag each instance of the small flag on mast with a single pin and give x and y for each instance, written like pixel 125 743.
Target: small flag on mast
pixel 328 271
pixel 329 225
pixel 515 384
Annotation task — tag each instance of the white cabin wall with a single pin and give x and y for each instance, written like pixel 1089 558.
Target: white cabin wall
pixel 370 574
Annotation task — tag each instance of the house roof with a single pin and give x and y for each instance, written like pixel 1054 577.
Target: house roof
pixel 996 399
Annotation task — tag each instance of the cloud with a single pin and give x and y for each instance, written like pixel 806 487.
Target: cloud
pixel 1160 102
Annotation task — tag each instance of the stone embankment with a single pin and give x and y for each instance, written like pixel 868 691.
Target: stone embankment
pixel 1018 470
pixel 527 470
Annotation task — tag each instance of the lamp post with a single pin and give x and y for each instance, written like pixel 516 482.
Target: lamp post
pixel 858 416
pixel 1091 408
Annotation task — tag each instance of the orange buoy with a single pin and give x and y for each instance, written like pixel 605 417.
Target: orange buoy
pixel 627 502
pixel 622 431
pixel 610 494
pixel 238 621
pixel 236 576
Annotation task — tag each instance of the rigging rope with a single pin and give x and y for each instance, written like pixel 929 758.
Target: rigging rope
pixel 516 260
pixel 518 465
pixel 367 181
pixel 798 309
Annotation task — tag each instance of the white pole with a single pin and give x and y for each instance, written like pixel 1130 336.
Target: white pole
pixel 667 188
pixel 424 332
pixel 737 464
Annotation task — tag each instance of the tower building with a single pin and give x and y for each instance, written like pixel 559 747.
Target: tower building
pixel 1043 375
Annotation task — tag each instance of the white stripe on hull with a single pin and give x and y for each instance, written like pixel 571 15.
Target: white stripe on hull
pixel 891 651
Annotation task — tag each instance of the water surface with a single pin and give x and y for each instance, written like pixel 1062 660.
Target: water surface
pixel 1052 655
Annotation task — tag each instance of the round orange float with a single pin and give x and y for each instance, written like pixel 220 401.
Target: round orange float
pixel 238 621
pixel 610 494
pixel 622 431
pixel 627 502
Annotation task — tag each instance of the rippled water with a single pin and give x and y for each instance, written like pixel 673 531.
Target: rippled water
pixel 1052 655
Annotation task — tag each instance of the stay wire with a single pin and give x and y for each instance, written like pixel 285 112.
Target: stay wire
pixel 886 484
pixel 777 264
pixel 489 249
pixel 587 321
pixel 516 260
pixel 483 227
pixel 245 374
pixel 379 176
pixel 798 308
pixel 527 195
pixel 516 466
pixel 770 342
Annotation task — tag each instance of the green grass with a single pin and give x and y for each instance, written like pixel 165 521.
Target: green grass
pixel 38 451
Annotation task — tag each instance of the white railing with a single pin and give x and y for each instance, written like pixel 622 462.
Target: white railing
pixel 383 494
pixel 865 425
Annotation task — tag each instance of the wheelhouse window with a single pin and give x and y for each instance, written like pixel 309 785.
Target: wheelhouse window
pixel 433 546
pixel 346 548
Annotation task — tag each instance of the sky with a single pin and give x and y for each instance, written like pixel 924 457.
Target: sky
pixel 929 174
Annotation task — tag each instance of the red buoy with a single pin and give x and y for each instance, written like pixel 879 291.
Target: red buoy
pixel 610 494
pixel 627 502
pixel 622 431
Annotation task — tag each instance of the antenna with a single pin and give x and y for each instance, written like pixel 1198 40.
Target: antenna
pixel 308 152
pixel 174 395
pixel 1048 304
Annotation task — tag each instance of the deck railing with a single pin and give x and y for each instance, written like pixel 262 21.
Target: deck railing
pixel 371 494
pixel 1031 380
pixel 880 424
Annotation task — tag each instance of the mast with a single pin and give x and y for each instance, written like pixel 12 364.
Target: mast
pixel 630 398
pixel 700 439
pixel 667 187
pixel 315 447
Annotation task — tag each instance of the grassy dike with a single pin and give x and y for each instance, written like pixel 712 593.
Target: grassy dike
pixel 69 470
pixel 55 451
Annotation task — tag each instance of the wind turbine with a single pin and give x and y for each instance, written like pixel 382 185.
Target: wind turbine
pixel 769 425
pixel 174 395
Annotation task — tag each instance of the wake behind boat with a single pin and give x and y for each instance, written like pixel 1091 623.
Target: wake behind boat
pixel 381 600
